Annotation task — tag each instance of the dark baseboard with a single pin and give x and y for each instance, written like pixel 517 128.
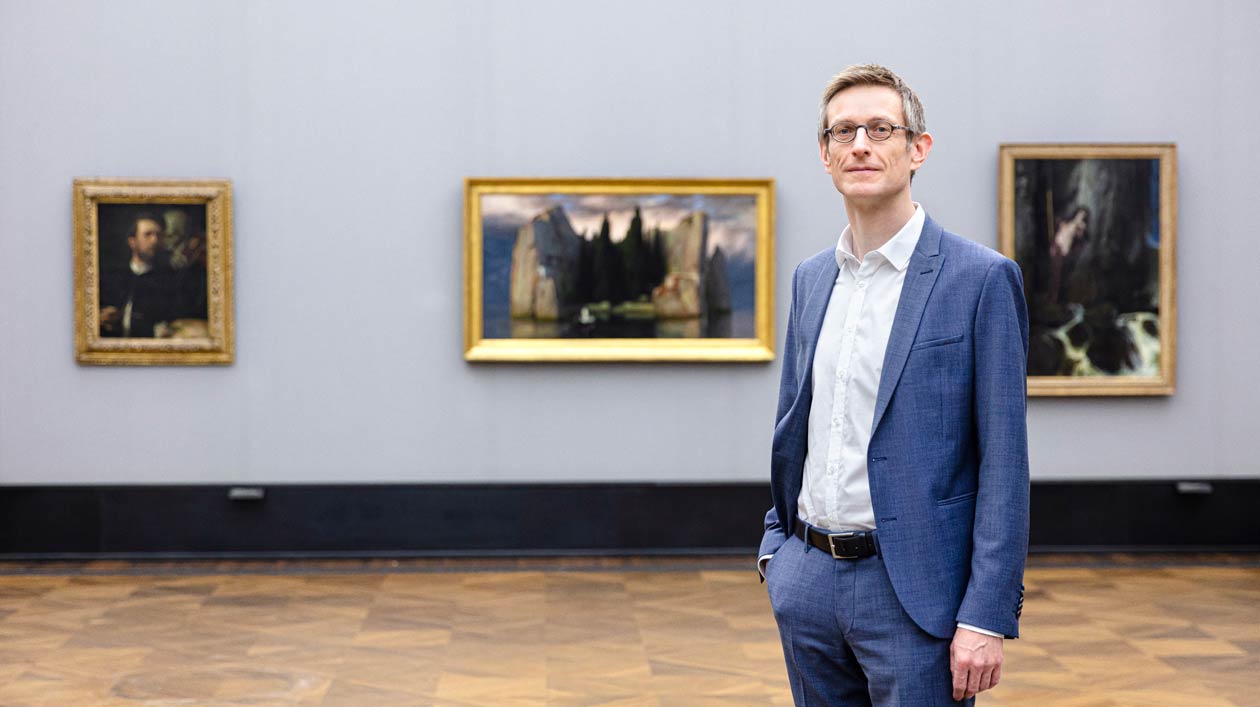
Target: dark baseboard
pixel 1195 515
pixel 552 519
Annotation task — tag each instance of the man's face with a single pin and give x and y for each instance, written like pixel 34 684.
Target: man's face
pixel 866 171
pixel 144 242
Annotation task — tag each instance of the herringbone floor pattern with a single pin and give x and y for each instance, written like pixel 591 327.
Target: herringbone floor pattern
pixel 570 633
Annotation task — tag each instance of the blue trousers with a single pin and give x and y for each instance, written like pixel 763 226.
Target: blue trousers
pixel 846 639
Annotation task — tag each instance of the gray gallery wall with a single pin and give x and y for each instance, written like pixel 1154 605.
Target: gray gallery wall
pixel 347 129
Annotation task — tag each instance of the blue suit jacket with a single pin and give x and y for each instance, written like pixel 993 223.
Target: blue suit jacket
pixel 948 457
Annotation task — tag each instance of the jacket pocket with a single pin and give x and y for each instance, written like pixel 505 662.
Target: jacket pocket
pixel 956 499
pixel 937 342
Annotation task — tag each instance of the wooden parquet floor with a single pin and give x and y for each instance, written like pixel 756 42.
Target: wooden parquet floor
pixel 1123 632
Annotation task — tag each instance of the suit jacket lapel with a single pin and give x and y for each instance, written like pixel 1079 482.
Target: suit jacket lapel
pixel 921 275
pixel 812 320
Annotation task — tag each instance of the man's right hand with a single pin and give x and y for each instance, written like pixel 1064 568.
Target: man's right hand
pixel 109 318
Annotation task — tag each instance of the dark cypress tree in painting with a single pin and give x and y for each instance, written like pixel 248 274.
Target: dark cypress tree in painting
pixel 607 269
pixel 658 257
pixel 636 261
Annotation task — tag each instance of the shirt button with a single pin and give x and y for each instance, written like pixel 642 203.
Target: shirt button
pixel 862 285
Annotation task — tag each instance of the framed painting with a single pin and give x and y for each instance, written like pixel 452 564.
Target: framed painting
pixel 1093 227
pixel 618 269
pixel 153 272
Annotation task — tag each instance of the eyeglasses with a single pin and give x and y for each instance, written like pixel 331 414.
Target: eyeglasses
pixel 877 130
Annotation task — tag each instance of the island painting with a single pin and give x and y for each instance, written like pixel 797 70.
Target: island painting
pixel 655 270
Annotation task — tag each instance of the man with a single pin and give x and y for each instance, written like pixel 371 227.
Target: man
pixel 136 298
pixel 894 552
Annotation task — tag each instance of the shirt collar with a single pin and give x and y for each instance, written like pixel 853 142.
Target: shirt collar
pixel 896 251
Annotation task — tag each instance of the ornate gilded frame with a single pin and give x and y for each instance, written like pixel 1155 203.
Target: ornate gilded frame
pixel 1164 382
pixel 217 346
pixel 759 347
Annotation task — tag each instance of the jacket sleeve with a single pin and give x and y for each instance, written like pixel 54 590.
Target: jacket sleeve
pixel 994 595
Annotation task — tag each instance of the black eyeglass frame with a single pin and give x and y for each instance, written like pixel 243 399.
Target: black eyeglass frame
pixel 869 135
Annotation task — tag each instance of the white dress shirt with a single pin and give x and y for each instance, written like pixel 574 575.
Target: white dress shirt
pixel 848 364
pixel 848 361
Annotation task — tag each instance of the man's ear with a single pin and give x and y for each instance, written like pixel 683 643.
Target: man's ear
pixel 824 155
pixel 919 150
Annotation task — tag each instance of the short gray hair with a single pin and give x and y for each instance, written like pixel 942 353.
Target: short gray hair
pixel 873 75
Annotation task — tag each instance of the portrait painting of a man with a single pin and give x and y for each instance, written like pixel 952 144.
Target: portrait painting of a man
pixel 153 272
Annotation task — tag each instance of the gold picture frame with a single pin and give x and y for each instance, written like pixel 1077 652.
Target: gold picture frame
pixel 1093 227
pixel 153 272
pixel 618 270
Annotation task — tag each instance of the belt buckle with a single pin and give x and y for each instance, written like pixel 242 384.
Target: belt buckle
pixel 831 541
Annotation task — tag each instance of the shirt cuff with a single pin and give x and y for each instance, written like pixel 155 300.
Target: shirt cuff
pixel 762 562
pixel 977 629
